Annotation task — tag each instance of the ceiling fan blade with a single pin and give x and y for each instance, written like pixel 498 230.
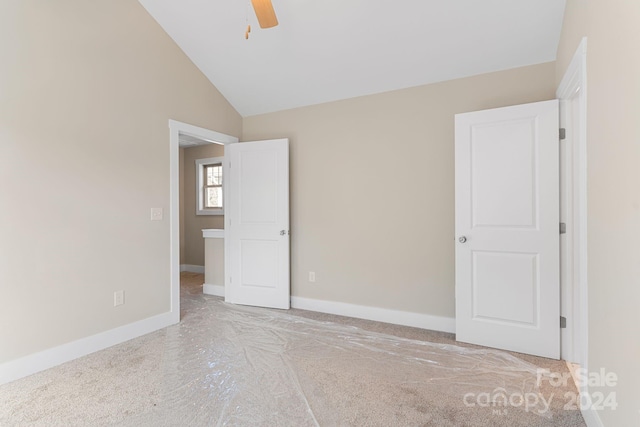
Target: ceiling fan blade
pixel 265 13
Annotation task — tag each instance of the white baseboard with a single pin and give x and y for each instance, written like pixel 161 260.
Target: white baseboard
pixel 590 415
pixel 192 268
pixel 397 317
pixel 217 290
pixel 27 365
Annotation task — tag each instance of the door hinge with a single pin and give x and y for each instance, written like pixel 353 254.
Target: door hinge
pixel 563 134
pixel 229 165
pixel 563 228
pixel 563 322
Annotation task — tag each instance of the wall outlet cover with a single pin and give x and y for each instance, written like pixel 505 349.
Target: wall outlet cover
pixel 118 298
pixel 156 214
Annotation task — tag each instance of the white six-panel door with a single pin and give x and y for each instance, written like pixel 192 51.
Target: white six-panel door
pixel 507 228
pixel 258 224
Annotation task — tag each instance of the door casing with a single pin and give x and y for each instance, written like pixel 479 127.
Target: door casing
pixel 572 93
pixel 176 129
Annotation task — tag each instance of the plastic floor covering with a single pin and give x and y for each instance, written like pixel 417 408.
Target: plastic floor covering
pixel 234 365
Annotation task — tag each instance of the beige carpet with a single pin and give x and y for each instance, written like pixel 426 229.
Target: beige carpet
pixel 230 365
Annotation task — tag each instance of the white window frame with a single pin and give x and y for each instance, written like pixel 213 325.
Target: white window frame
pixel 200 165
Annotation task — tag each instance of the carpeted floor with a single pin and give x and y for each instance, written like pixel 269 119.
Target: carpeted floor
pixel 234 365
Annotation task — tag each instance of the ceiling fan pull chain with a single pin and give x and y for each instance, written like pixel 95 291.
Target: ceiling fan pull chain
pixel 246 19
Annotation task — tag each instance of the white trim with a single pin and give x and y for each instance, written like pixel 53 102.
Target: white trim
pixel 177 128
pixel 217 290
pixel 590 415
pixel 202 133
pixel 200 164
pixel 397 317
pixel 174 220
pixel 574 286
pixel 385 315
pixel 190 268
pixel 576 73
pixel 567 341
pixel 574 83
pixel 213 233
pixel 36 362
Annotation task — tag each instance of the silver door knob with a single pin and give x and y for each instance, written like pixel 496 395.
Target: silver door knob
pixel 283 232
pixel 462 239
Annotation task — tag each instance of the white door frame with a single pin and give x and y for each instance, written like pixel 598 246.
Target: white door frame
pixel 176 129
pixel 573 264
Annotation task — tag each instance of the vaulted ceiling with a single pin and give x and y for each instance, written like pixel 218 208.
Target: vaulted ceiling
pixel 326 50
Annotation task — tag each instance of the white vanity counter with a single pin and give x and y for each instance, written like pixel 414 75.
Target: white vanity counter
pixel 213 261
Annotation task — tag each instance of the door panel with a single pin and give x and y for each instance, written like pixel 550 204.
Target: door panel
pixel 259 180
pixel 513 140
pixel 258 224
pixel 507 210
pixel 259 263
pixel 507 276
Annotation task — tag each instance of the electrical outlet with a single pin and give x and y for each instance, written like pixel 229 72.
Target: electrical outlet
pixel 156 214
pixel 312 276
pixel 118 298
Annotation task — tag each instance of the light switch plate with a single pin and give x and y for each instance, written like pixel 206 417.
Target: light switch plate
pixel 156 214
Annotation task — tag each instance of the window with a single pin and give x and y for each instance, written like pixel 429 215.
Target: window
pixel 209 176
pixel 213 186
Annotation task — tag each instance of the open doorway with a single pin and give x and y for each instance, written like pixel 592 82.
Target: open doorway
pixel 193 136
pixel 201 198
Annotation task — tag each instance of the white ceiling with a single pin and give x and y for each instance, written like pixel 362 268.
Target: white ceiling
pixel 325 50
pixel 186 141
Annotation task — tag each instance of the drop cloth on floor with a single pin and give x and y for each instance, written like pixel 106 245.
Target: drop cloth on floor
pixel 235 365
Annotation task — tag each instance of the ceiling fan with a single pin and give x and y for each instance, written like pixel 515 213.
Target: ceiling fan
pixel 265 13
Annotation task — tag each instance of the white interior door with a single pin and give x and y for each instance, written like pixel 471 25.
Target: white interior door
pixel 257 224
pixel 507 228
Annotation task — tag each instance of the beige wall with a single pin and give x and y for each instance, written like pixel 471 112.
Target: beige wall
pixel 193 251
pixel 84 156
pixel 86 92
pixel 372 188
pixel 613 152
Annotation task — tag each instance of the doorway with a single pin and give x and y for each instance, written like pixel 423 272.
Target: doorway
pixel 177 131
pixel 201 204
pixel 573 207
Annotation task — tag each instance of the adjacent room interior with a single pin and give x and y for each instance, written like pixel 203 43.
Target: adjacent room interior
pixel 117 118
